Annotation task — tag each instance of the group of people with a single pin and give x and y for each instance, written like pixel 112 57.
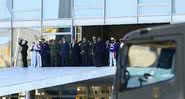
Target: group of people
pixel 54 53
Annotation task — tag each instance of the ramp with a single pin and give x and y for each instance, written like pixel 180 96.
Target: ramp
pixel 16 80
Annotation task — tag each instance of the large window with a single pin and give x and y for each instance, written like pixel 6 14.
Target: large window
pixel 179 6
pixel 151 63
pixel 88 8
pixel 29 34
pixel 120 8
pixel 5 12
pixel 55 9
pixel 26 9
pixel 154 8
pixel 5 47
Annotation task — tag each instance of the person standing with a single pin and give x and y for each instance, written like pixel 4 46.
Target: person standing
pixel 106 59
pixel 53 53
pixel 99 50
pixel 59 57
pixel 112 52
pixel 45 54
pixel 36 60
pixel 84 51
pixel 24 49
pixel 92 51
pixel 75 53
pixel 64 51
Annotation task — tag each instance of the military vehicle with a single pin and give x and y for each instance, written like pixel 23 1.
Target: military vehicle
pixel 151 64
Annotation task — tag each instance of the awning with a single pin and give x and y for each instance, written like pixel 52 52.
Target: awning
pixel 15 80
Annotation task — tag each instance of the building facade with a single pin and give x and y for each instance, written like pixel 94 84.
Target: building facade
pixel 50 18
pixel 53 18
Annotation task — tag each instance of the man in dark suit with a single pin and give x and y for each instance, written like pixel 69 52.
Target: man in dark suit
pixel 64 52
pixel 92 46
pixel 99 52
pixel 84 47
pixel 75 53
pixel 24 46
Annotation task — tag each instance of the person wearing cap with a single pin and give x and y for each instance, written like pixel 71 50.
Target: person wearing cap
pixel 24 49
pixel 112 53
pixel 36 60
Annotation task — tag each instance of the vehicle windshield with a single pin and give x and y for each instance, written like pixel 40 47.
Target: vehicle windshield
pixel 156 60
pixel 152 54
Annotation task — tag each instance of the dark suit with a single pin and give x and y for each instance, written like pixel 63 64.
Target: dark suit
pixel 24 53
pixel 84 52
pixel 75 54
pixel 99 52
pixel 64 52
pixel 45 54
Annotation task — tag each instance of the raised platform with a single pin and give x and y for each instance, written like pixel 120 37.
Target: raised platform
pixel 15 80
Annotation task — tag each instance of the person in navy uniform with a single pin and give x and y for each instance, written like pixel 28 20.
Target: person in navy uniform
pixel 64 51
pixel 45 53
pixel 84 46
pixel 99 52
pixel 24 46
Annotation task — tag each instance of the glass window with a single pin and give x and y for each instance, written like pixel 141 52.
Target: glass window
pixel 152 8
pixel 153 2
pixel 55 9
pixel 5 47
pixel 151 63
pixel 89 13
pixel 119 8
pixel 29 34
pixel 179 6
pixel 88 8
pixel 56 30
pixel 5 6
pixel 27 9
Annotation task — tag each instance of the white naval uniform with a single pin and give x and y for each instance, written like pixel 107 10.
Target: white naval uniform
pixel 36 57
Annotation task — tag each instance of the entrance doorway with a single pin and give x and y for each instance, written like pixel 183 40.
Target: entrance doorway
pixel 108 31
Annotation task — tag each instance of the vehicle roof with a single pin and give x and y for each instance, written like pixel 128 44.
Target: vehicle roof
pixel 178 28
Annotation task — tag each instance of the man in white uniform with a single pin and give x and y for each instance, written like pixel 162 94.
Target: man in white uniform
pixel 112 53
pixel 36 57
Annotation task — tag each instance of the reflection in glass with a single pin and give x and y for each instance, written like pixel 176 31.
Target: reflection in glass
pixel 120 8
pixel 29 34
pixel 5 41
pixel 26 9
pixel 151 63
pixel 179 7
pixel 5 6
pixel 55 9
pixel 88 8
pixel 154 8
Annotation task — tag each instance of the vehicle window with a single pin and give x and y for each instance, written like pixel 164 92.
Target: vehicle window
pixel 151 63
